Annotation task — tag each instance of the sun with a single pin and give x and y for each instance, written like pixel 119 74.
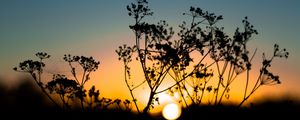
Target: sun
pixel 171 111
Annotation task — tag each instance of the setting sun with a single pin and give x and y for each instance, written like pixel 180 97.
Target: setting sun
pixel 171 111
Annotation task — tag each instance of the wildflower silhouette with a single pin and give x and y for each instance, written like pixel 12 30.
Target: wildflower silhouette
pixel 160 56
pixel 202 60
pixel 69 91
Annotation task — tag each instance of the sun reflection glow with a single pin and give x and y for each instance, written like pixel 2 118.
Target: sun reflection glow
pixel 171 111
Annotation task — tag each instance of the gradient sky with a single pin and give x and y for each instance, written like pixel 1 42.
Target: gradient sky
pixel 97 27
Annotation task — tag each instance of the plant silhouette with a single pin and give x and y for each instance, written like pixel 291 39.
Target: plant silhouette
pixel 160 56
pixel 70 91
pixel 201 59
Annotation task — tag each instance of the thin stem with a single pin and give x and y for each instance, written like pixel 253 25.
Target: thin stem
pixel 81 99
pixel 247 82
pixel 162 76
pixel 221 97
pixel 73 72
pixel 182 95
pixel 146 109
pixel 83 76
pixel 227 85
pixel 86 77
pixel 229 73
pixel 256 86
pixel 220 78
pixel 138 85
pixel 130 90
pixel 159 80
pixel 202 93
pixel 187 92
pixel 249 95
pixel 142 59
pixel 44 91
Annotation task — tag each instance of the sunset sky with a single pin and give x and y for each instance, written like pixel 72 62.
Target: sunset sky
pixel 97 27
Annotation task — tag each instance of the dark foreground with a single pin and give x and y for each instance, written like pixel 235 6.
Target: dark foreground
pixel 25 103
pixel 268 111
